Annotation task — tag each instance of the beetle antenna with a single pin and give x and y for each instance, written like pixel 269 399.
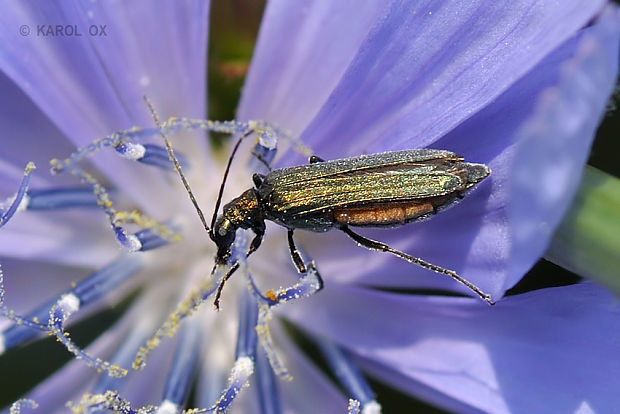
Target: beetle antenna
pixel 230 159
pixel 177 165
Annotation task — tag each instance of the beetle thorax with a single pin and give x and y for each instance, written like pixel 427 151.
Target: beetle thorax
pixel 242 212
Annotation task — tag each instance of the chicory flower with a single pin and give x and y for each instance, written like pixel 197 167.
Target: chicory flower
pixel 519 87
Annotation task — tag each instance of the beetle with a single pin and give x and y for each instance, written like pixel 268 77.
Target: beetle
pixel 380 190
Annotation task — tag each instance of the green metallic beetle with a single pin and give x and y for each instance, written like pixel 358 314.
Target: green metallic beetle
pixel 380 190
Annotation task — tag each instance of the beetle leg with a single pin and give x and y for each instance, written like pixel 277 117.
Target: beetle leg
pixel 314 159
pixel 254 245
pixel 375 245
pixel 257 179
pixel 262 160
pixel 233 269
pixel 257 240
pixel 295 255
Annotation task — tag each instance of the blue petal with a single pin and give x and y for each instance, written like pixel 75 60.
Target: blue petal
pixel 92 86
pixel 464 356
pixel 554 145
pixel 478 238
pixel 67 237
pixel 302 50
pixel 420 71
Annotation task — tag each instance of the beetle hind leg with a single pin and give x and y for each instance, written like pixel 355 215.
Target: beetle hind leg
pixel 375 245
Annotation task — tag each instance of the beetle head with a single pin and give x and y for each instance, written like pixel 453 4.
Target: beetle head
pixel 242 212
pixel 223 234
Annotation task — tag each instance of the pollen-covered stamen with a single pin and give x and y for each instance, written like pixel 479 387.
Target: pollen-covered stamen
pixel 185 365
pixel 22 403
pixel 112 140
pixel 188 306
pixel 103 201
pixel 149 240
pixel 149 154
pixel 109 401
pixel 86 291
pixel 60 198
pixel 59 313
pixel 117 219
pixel 144 321
pixel 353 407
pixel 130 150
pixel 150 228
pixel 349 376
pixel 19 201
pixel 309 283
pixel 266 341
pixel 371 407
pixel 267 133
pixel 241 372
pixel 129 242
pixel 10 314
pixel 264 152
pixel 175 124
pixel 168 407
pixel 125 142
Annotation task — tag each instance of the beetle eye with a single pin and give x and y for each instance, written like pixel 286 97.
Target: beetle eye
pixel 222 231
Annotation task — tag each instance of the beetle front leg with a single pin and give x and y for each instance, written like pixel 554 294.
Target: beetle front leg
pixel 257 240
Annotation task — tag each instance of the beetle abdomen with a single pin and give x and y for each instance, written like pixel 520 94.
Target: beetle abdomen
pixel 380 215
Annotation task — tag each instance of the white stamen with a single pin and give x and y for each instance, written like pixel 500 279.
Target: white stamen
pixel 244 367
pixel 168 407
pixel 133 151
pixel 133 243
pixel 2 346
pixel 372 407
pixel 69 303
